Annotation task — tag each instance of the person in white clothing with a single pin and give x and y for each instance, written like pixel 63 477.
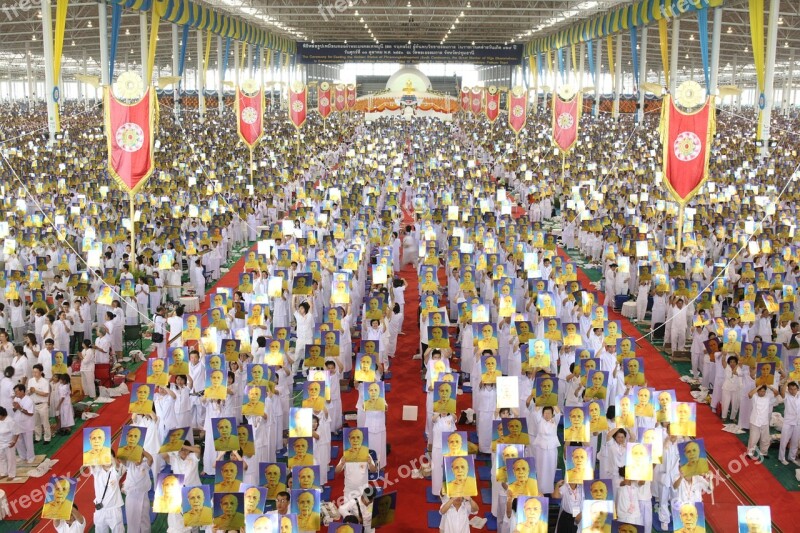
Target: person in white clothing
pixel 455 514
pixel 39 391
pixel 361 508
pixel 75 524
pixel 88 357
pixel 137 500
pixel 790 435
pixel 108 496
pixel 103 346
pixel 23 416
pixel 760 414
pixel 9 436
pixel 731 387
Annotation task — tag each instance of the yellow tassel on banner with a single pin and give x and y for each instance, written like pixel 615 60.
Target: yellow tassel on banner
pixel 610 49
pixel 58 49
pixel 662 37
pixel 155 18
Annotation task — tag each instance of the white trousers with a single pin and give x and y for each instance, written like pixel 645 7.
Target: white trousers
pixel 758 435
pixel 789 435
pixel 25 447
pixel 41 419
pixel 87 381
pixel 108 520
pixel 8 462
pixel 137 512
pixel 731 399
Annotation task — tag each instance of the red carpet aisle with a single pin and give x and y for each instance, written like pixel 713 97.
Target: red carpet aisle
pixel 754 480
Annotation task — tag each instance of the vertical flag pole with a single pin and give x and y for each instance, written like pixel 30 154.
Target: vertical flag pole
pixel 251 168
pixel 132 206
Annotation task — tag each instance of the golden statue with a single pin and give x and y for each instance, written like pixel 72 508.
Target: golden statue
pixel 409 87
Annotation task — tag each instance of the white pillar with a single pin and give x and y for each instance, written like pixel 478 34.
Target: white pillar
pixel 29 73
pixel 143 43
pixel 787 89
pixel 220 78
pixel 201 79
pixel 535 85
pixel 617 76
pixel 769 76
pixel 673 58
pixel 102 17
pixel 82 88
pixel 642 74
pixel 598 72
pixel 581 65
pixel 716 34
pixel 49 75
pixel 236 60
pixel 175 69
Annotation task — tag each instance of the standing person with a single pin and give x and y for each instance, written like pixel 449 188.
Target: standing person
pixel 104 350
pixel 160 328
pixel 75 524
pixel 39 390
pixel 17 320
pixel 731 388
pixel 23 416
pixel 21 364
pixel 455 514
pixel 108 496
pixel 790 435
pixel 198 280
pixel 80 317
pixel 64 410
pixel 88 358
pixel 137 498
pixel 610 284
pixel 9 435
pixel 760 414
pixel 305 331
pixel 545 446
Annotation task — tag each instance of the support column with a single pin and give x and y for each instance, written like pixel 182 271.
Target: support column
pixel 220 79
pixel 716 34
pixel 787 89
pixel 642 75
pixel 598 73
pixel 143 43
pixel 581 65
pixel 617 76
pixel 201 79
pixel 673 57
pixel 175 67
pixel 737 100
pixel 769 76
pixel 535 87
pixel 236 61
pixel 102 17
pixel 82 88
pixel 29 74
pixel 49 75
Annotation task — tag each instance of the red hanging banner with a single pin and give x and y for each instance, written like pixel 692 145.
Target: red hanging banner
pixel 686 140
pixel 298 96
pixel 324 99
pixel 250 114
pixel 341 97
pixel 492 103
pixel 477 100
pixel 566 114
pixel 351 96
pixel 517 108
pixel 465 99
pixel 129 131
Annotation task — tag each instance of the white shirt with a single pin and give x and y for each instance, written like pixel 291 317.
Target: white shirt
pixel 24 422
pixel 8 430
pixel 456 520
pixel 791 409
pixel 41 385
pixel 113 496
pixel 761 409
